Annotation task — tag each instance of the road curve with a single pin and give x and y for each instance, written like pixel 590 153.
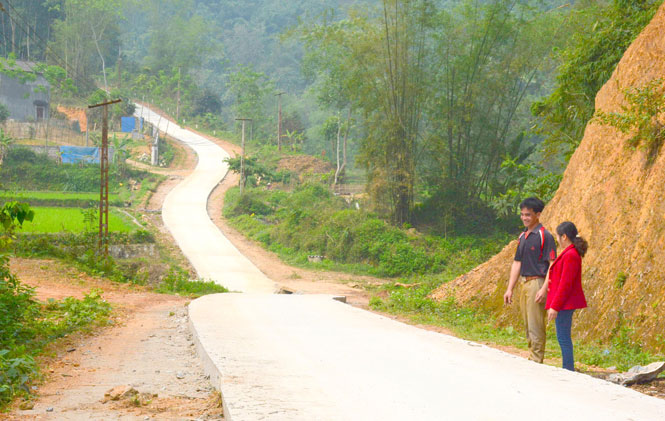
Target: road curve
pixel 185 215
pixel 308 357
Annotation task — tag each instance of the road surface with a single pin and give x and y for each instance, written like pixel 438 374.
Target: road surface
pixel 185 215
pixel 309 357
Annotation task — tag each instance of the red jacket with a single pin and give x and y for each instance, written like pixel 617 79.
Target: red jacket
pixel 565 288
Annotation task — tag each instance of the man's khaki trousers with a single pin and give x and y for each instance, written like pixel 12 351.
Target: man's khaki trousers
pixel 534 317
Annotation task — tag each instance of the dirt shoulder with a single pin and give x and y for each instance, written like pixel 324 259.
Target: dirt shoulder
pixel 146 358
pixel 147 354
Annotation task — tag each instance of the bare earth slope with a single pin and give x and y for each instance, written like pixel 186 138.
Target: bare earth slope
pixel 616 199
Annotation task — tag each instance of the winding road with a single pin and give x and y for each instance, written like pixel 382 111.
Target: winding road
pixel 310 357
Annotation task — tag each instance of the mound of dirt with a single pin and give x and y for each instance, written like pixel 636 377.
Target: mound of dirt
pixel 616 200
pixel 301 164
pixel 75 114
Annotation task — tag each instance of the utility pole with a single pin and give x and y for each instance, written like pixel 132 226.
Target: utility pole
pixel 242 154
pixel 104 181
pixel 279 120
pixel 177 107
pixel 87 128
pixel 119 67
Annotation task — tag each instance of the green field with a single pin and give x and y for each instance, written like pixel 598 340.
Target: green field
pixel 58 219
pixel 56 198
pixel 51 195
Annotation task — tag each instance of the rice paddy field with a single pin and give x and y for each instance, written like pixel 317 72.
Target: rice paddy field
pixel 59 219
pixel 56 198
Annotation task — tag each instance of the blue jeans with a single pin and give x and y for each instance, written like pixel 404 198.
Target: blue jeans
pixel 564 322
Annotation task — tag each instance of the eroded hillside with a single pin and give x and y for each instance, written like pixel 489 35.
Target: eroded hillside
pixel 617 200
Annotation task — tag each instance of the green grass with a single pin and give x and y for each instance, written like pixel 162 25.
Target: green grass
pixel 57 198
pixel 53 195
pixel 177 282
pixel 191 288
pixel 149 185
pixel 622 351
pixel 310 221
pixel 56 219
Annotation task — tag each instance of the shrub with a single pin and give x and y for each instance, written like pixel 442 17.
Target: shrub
pixel 248 204
pixel 640 117
pixel 177 281
pixel 24 169
pixel 17 308
pixel 313 221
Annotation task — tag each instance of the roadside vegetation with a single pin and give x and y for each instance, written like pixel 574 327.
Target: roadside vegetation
pixel 620 353
pixel 57 198
pixel 50 210
pixel 67 228
pixel 308 226
pixel 60 219
pixel 310 220
pixel 442 115
pixel 26 325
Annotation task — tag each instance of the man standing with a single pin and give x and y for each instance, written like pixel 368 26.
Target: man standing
pixel 535 252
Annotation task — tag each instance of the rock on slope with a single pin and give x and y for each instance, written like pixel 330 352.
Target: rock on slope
pixel 617 200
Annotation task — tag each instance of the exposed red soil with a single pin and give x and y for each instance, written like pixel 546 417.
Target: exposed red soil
pixel 147 347
pixel 75 114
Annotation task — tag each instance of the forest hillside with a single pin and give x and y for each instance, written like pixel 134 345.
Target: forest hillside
pixel 613 191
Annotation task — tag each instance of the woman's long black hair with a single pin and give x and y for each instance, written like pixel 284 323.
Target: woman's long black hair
pixel 570 230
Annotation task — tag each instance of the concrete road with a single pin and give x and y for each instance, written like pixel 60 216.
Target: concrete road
pixel 296 357
pixel 185 215
pixel 308 357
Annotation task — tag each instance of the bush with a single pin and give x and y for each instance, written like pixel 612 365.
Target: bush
pixel 24 169
pixel 17 308
pixel 311 221
pixel 15 373
pixel 177 281
pixel 26 326
pixel 602 34
pixel 81 250
pixel 249 204
pixel 4 113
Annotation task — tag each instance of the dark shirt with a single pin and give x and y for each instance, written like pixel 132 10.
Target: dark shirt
pixel 529 252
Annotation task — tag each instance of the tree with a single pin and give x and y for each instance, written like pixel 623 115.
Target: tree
pixel 24 25
pixel 87 29
pixel 381 72
pixel 56 76
pixel 207 102
pixel 5 143
pixel 602 33
pixel 475 114
pixel 4 113
pixel 178 41
pixel 249 92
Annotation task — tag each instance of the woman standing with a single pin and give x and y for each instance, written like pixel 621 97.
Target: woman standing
pixel 565 288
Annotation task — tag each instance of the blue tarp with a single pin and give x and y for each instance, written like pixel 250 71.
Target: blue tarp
pixel 75 154
pixel 128 124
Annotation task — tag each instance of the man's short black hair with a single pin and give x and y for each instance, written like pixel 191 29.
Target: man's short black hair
pixel 533 203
